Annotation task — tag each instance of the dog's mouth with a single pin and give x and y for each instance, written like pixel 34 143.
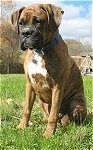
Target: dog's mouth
pixel 33 41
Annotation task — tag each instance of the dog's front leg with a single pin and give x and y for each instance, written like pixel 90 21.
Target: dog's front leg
pixel 52 120
pixel 30 97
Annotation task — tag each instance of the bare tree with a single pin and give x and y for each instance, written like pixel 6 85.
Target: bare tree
pixel 9 45
pixel 9 39
pixel 7 6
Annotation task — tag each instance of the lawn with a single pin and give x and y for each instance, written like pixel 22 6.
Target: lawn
pixel 69 138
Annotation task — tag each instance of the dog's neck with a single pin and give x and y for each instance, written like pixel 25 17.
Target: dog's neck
pixel 49 45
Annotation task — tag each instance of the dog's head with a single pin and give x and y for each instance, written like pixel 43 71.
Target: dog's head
pixel 36 24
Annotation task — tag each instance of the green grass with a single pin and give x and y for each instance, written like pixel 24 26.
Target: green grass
pixel 69 138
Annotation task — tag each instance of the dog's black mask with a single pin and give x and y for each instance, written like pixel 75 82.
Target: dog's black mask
pixel 30 38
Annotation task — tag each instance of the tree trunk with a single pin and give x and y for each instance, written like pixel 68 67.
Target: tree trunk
pixel 7 68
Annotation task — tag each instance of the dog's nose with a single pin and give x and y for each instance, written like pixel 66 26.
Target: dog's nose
pixel 26 32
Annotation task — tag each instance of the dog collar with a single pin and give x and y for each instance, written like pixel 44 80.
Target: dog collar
pixel 55 41
pixel 50 45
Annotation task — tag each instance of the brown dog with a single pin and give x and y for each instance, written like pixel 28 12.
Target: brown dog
pixel 51 73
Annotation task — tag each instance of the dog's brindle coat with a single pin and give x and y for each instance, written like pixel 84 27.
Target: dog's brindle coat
pixel 51 73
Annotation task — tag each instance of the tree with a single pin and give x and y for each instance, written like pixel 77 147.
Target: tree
pixel 9 39
pixel 7 6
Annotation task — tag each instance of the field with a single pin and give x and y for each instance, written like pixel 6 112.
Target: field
pixel 69 138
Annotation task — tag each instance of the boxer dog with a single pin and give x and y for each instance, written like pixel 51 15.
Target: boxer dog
pixel 51 73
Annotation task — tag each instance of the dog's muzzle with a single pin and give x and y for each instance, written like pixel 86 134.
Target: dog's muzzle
pixel 31 38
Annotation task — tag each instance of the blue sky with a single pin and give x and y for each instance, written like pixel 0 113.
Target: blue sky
pixel 77 18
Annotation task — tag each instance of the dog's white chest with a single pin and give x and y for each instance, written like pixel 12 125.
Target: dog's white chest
pixel 35 66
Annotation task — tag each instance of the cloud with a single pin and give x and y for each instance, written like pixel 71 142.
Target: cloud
pixel 77 27
pixel 77 22
pixel 30 2
pixel 71 11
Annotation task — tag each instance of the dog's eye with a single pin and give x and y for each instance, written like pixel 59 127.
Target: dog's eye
pixel 21 23
pixel 37 22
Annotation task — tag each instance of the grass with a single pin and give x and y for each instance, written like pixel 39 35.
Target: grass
pixel 70 138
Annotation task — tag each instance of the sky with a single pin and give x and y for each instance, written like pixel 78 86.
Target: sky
pixel 76 20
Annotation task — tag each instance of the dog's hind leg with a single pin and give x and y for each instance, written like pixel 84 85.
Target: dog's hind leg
pixel 65 120
pixel 77 110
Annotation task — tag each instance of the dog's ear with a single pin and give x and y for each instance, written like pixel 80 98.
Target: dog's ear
pixel 15 18
pixel 54 14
